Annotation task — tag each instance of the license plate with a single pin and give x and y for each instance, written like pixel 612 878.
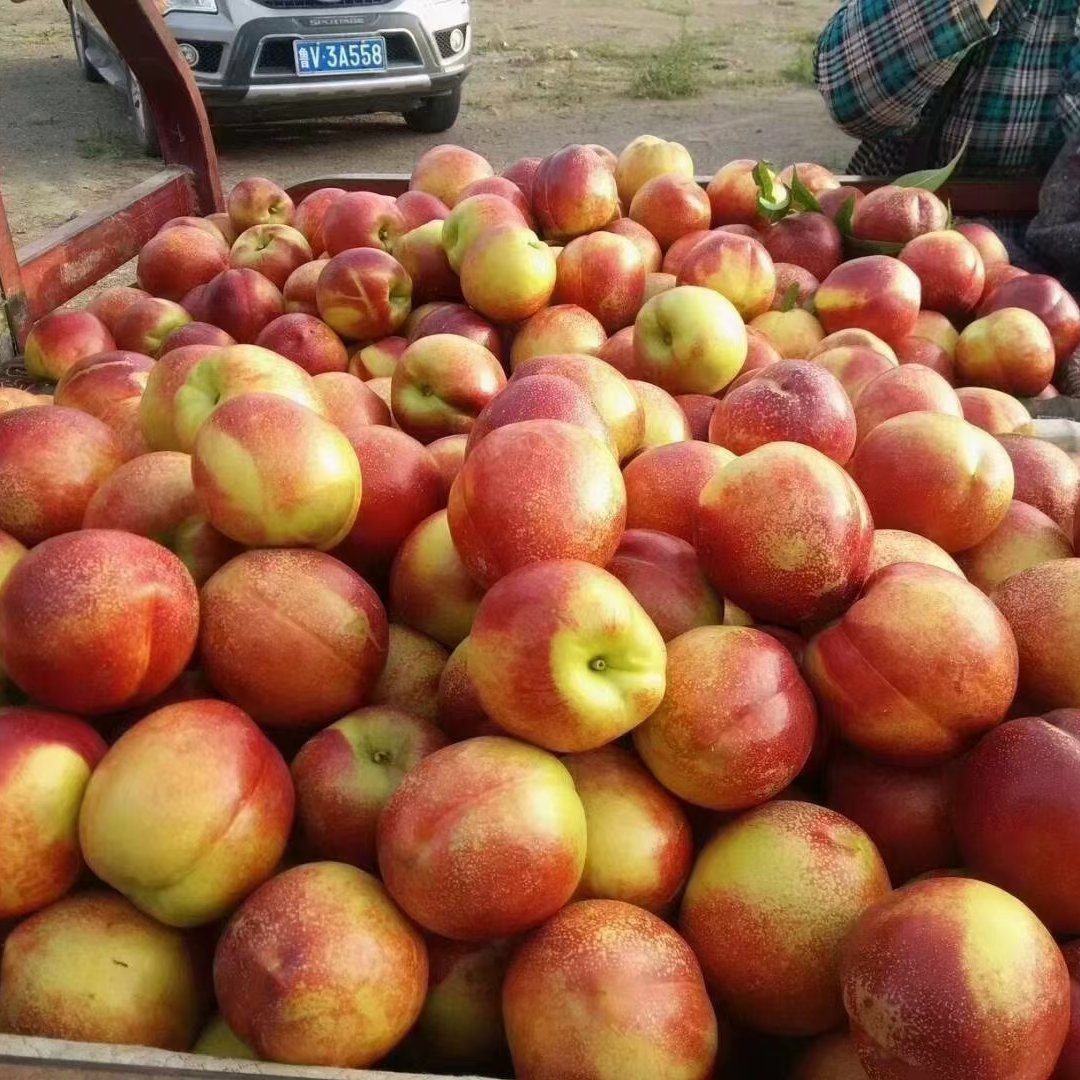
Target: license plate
pixel 346 56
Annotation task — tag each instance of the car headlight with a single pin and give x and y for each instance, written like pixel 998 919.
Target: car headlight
pixel 202 7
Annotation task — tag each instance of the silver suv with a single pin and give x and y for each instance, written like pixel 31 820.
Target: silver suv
pixel 294 59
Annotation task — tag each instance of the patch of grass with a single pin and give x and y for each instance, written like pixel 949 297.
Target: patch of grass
pixel 104 145
pixel 675 71
pixel 801 69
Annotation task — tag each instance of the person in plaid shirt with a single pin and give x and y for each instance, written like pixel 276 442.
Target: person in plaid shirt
pixel 1012 66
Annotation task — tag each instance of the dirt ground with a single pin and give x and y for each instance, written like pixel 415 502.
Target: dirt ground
pixel 547 72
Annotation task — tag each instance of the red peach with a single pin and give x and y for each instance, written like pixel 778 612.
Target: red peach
pixel 918 350
pixel 455 319
pixel 793 401
pixel 378 359
pixel 410 679
pixel 362 219
pixel 998 275
pixel 157 410
pixel 460 713
pixel 986 241
pixel 258 201
pixel 698 409
pixel 423 257
pixel 671 206
pixel 736 267
pixel 364 294
pixel 110 305
pixel 61 339
pixel 1010 350
pixel 897 546
pixel 857 338
pixel 665 422
pixel 874 293
pixel 917 669
pixel 733 194
pixel 506 189
pixel 770 945
pixel 1046 477
pixel 274 250
pixel 604 274
pixel 618 351
pixel 794 334
pixel 949 269
pixel 1045 297
pixel 760 351
pixel 196 333
pixel 927 955
pixel 175 261
pixel 898 214
pixel 508 274
pixel 306 341
pixel 833 201
pixel 51 463
pixel 935 475
pixel 95 621
pixel 522 173
pixel 418 208
pixel 241 302
pixel 795 287
pixel 935 327
pixel 904 389
pixel 573 193
pixel 809 240
pixel 648 247
pixel 563 328
pixel 449 455
pixel 646 157
pixel 473 217
pixel 223 223
pixel 483 839
pixel 1025 538
pixel 562 1019
pixel 815 178
pixel 298 294
pixel 737 722
pixel 992 410
pixel 445 171
pixel 353 1014
pixel 780 553
pixel 904 811
pixel 349 404
pixel 295 638
pixel 311 214
pixel 675 255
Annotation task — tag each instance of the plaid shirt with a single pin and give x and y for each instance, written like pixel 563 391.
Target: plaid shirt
pixel 879 64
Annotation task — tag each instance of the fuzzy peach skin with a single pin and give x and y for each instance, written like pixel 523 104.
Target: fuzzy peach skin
pixel 1046 477
pixel 794 334
pixel 809 240
pixel 362 219
pixel 445 318
pixel 1017 817
pixel 153 496
pixel 305 340
pixel 904 811
pixel 562 328
pixel 1025 538
pixel 956 979
pixel 423 257
pixel 669 207
pixel 737 722
pixel 364 294
pixel 402 486
pixel 349 404
pixel 483 839
pixel 640 848
pixel 410 678
pixel 319 967
pixel 664 484
pixel 770 943
pixel 157 407
pixel 935 475
pixel 346 774
pixel 62 338
pixel 784 533
pixel 792 401
pixel 606 991
pixel 298 293
pixel 91 968
pixel 45 762
pixel 175 261
pixel 258 201
pixel 110 305
pixel 214 804
pixel 737 267
pixel 917 350
pixel 1044 297
pixel 543 397
pixel 689 340
pixel 733 193
pixel 603 273
pixel 574 193
pixel 271 473
pixel 855 366
pixel 508 274
pixel 440 385
pixel 830 1057
pixel 196 333
pixel 96 621
pixel 563 656
pixel 858 338
pixel 794 287
pixel 461 1025
pixel 460 714
pixel 609 391
pixel 917 669
pixel 296 638
pixel 1010 350
pixel 507 189
pixel 950 271
pixel 242 302
pixel 648 156
pixel 698 409
pixel 537 490
pixel 875 293
pixel 1042 606
pixel 652 257
pixel 310 215
pixel 895 214
pixel 430 589
pixel 992 410
pixel 52 460
pixel 663 575
pixel 147 325
pixel 897 546
pixel 445 171
pixel 472 217
pixel 904 389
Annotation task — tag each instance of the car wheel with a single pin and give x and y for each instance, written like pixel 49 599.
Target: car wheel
pixel 78 37
pixel 436 113
pixel 142 119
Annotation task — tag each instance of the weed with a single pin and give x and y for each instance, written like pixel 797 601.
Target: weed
pixel 104 144
pixel 801 70
pixel 675 71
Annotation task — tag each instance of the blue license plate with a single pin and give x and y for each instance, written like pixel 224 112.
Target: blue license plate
pixel 346 56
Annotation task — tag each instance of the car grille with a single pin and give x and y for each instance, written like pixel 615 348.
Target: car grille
pixel 209 55
pixel 276 55
pixel 318 5
pixel 442 39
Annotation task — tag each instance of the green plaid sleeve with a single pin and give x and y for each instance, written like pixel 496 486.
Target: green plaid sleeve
pixel 879 62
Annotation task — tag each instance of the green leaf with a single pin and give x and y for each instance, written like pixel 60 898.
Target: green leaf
pixel 854 243
pixel 791 297
pixel 802 198
pixel 771 204
pixel 932 179
pixel 843 219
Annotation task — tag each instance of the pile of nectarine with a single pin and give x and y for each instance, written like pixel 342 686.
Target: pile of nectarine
pixel 576 624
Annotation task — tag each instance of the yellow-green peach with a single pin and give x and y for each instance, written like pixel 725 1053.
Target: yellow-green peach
pixel 647 157
pixel 62 338
pixel 794 334
pixel 445 171
pixel 1010 350
pixel 508 274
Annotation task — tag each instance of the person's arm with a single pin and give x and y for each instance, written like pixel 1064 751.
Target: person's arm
pixel 879 62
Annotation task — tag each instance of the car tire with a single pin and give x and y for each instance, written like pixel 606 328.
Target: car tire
pixel 78 37
pixel 436 113
pixel 142 119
